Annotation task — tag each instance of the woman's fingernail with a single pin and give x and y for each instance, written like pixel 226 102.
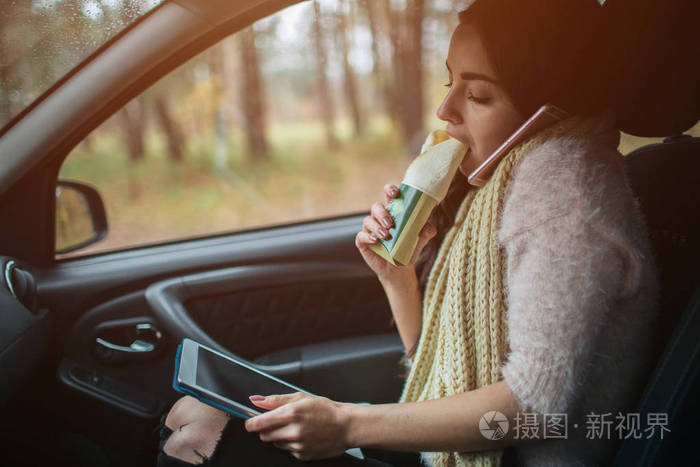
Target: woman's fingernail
pixel 386 222
pixel 372 237
pixel 257 398
pixel 394 192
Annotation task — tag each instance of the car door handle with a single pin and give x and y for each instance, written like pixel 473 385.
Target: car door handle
pixel 138 346
pixel 145 340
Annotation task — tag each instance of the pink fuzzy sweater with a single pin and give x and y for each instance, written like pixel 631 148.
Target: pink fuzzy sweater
pixel 582 294
pixel 582 291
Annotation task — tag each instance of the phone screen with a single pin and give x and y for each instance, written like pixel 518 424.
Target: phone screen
pixel 234 381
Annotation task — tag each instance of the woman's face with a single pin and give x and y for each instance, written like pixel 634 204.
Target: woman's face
pixel 477 110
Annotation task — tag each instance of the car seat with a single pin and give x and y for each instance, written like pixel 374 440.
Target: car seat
pixel 664 177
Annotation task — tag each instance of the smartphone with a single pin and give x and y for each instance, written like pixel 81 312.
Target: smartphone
pixel 547 115
pixel 222 381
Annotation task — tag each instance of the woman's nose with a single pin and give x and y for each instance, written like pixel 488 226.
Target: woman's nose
pixel 447 111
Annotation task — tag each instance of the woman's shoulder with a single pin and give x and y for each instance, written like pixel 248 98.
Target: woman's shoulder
pixel 575 177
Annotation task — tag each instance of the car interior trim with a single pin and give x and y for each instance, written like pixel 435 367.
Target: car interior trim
pixel 167 298
pixel 8 277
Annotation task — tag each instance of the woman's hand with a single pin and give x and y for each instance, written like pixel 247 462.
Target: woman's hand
pixel 309 427
pixel 376 226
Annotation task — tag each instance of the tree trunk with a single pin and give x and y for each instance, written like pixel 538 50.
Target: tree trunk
pixel 413 71
pixel 349 81
pixel 406 35
pixel 381 90
pixel 132 122
pixel 395 78
pixel 221 123
pixel 252 95
pixel 169 126
pixel 325 98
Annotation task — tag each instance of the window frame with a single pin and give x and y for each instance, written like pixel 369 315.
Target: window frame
pixel 178 57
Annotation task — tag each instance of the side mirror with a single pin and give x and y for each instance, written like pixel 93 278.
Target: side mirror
pixel 80 216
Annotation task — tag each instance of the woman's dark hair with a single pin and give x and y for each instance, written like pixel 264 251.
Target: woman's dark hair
pixel 546 51
pixel 442 218
pixel 637 57
pixel 634 56
pixel 541 50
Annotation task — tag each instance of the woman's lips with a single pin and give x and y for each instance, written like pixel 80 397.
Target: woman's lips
pixel 449 132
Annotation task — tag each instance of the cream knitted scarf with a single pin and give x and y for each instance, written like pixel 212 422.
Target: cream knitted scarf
pixel 463 338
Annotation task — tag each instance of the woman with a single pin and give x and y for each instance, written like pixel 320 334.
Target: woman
pixel 541 287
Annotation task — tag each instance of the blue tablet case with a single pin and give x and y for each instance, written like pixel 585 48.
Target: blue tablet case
pixel 354 452
pixel 201 397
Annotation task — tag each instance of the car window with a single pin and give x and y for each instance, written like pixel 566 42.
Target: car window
pixel 42 40
pixel 304 115
pixel 300 116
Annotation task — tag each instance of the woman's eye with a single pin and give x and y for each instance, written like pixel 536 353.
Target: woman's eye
pixel 478 100
pixel 448 85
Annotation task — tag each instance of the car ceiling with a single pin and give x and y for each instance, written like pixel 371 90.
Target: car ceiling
pixel 175 31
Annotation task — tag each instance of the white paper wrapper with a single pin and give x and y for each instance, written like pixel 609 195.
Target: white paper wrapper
pixel 425 184
pixel 433 171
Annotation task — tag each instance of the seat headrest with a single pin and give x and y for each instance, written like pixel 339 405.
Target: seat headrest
pixel 654 52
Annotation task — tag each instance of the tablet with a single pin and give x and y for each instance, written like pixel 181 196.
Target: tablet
pixel 223 381
pixel 226 383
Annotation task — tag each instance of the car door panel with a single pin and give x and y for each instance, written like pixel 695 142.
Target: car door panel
pixel 250 310
pixel 297 301
pixel 139 387
pixel 103 277
pixel 24 338
pixel 357 369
